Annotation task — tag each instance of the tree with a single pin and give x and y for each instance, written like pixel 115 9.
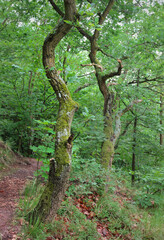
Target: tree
pixel 110 102
pixel 60 165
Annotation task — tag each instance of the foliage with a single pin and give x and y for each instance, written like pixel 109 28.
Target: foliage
pixel 44 135
pixel 87 176
pixel 133 32
pixel 32 190
pixel 91 215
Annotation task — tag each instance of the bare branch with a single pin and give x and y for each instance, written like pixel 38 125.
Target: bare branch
pixel 112 74
pixel 4 21
pixel 129 107
pixel 111 84
pixel 87 74
pixel 106 54
pixel 82 87
pixel 93 64
pixel 56 8
pixel 84 33
pixel 147 80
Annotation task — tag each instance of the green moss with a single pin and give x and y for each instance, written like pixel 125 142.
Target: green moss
pixel 63 126
pixel 62 155
pixel 107 153
pixel 43 207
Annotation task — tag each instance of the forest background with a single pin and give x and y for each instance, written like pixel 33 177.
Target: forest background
pixel 129 53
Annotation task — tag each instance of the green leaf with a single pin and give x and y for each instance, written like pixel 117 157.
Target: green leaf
pixel 68 22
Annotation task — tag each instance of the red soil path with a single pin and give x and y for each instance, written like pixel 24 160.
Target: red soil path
pixel 11 186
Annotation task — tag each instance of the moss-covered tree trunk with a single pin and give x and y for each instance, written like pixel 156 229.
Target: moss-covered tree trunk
pixel 107 152
pixel 59 167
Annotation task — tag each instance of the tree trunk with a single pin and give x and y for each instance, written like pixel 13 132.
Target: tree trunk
pixel 134 139
pixel 54 191
pixel 161 114
pixel 107 150
pixel 134 149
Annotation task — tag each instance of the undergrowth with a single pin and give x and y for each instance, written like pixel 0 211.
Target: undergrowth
pixel 88 212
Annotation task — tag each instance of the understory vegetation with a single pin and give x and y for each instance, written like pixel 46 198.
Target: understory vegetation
pixel 87 212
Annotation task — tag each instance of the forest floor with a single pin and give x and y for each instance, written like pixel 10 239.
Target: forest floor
pixel 12 182
pixel 105 218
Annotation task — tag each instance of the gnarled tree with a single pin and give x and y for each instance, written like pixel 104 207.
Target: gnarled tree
pixel 59 166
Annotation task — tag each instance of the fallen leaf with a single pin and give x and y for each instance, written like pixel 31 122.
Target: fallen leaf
pixel 21 221
pixel 104 232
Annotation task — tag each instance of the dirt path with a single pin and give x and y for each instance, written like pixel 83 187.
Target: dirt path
pixel 10 187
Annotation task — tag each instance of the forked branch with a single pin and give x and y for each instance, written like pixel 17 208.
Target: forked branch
pixel 112 74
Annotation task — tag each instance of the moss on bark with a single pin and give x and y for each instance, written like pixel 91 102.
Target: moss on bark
pixel 59 174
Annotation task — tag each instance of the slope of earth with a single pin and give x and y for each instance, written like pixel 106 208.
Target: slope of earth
pixel 11 185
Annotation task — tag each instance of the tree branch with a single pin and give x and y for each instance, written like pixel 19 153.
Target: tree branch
pixel 93 64
pixel 103 16
pixel 87 74
pixel 82 87
pixel 146 80
pixel 49 46
pixel 4 21
pixel 111 84
pixel 127 105
pixel 150 89
pixel 56 8
pixel 112 74
pixel 106 54
pixel 118 119
pixel 106 11
pixel 84 33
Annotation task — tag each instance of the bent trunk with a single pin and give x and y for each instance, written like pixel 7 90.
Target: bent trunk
pixel 56 186
pixel 60 166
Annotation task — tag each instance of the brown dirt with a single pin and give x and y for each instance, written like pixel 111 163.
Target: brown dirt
pixel 11 185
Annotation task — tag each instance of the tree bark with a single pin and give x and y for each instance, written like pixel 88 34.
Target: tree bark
pixel 55 188
pixel 161 114
pixel 134 148
pixel 134 139
pixel 107 151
